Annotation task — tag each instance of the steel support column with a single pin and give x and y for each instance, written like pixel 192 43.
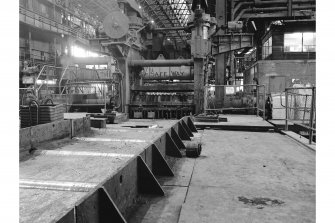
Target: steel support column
pixel 220 59
pixel 123 66
pixel 199 87
pixel 289 5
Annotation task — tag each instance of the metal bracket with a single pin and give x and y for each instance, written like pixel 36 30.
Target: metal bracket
pixel 159 165
pixel 147 182
pixel 182 132
pixel 188 130
pixel 177 139
pixel 98 207
pixel 69 217
pixel 171 147
pixel 191 125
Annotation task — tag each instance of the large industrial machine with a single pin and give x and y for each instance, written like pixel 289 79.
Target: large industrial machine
pixel 162 92
pixel 153 76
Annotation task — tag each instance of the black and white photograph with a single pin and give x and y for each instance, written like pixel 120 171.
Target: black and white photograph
pixel 167 111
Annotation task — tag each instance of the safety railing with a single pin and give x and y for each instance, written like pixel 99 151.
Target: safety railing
pixel 225 98
pixel 51 80
pixel 50 24
pixel 88 87
pixel 300 109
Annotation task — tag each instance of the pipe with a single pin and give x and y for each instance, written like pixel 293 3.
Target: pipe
pixel 259 2
pixel 37 111
pixel 86 60
pixel 170 28
pixel 161 63
pixel 272 9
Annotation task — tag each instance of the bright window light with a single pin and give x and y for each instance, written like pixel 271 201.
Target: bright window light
pixel 49 82
pixel 180 10
pixel 299 42
pixel 81 52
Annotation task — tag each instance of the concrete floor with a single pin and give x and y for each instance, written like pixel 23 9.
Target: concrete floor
pixel 240 177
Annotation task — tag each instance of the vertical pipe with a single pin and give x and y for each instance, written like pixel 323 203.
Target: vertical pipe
pixel 303 118
pixel 232 15
pixel 312 116
pixel 30 45
pixel 105 85
pixel 286 110
pixel 55 52
pixel 264 102
pixel 54 10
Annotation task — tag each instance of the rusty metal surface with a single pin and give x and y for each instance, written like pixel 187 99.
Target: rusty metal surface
pixel 59 182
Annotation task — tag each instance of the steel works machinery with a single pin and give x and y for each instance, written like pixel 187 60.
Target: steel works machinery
pixel 162 91
pixel 172 88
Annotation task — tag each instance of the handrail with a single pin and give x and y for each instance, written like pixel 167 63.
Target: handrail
pixel 61 78
pixel 310 126
pixel 37 111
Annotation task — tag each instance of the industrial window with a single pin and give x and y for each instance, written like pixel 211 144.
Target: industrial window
pixel 299 42
pixel 267 48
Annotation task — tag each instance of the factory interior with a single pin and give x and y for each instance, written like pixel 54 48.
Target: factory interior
pixel 174 111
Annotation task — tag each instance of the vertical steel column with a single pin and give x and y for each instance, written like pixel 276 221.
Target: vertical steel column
pixel 286 110
pixel 123 66
pixel 257 100
pixel 199 85
pixel 311 119
pixel 220 59
pixel 264 102
pixel 105 85
pixel 289 6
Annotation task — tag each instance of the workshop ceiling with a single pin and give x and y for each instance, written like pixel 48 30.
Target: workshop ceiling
pixel 168 13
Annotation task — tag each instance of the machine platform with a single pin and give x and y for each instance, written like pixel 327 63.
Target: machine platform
pixel 237 122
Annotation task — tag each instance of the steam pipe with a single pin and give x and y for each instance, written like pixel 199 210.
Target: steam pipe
pixel 161 63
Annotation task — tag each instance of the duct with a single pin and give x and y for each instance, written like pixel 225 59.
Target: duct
pixel 239 5
pixel 161 63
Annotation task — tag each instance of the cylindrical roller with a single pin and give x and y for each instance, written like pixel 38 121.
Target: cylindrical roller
pixel 161 63
pixel 193 148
